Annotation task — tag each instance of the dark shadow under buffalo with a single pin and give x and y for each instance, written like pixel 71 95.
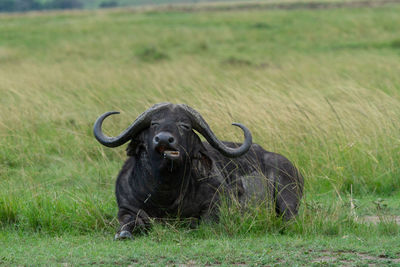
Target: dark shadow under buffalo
pixel 171 173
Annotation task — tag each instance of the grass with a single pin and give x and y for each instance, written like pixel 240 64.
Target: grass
pixel 178 248
pixel 318 86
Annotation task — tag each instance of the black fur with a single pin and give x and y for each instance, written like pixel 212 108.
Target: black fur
pixel 152 186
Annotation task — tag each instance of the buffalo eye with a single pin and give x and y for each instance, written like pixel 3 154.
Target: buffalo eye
pixel 154 124
pixel 185 126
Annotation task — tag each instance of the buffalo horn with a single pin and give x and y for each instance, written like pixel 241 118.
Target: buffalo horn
pixel 200 125
pixel 143 121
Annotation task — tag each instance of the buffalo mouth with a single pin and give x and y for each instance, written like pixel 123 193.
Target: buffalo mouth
pixel 168 153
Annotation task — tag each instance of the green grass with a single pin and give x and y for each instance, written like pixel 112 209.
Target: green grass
pixel 169 248
pixel 321 87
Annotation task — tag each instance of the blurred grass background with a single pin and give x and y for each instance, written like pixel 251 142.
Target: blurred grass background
pixel 321 87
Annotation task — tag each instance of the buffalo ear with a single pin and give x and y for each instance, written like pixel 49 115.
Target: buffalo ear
pixel 136 144
pixel 133 148
pixel 200 154
pixel 205 162
pixel 202 165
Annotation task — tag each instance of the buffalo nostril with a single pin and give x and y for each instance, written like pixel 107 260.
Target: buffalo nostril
pixel 157 139
pixel 171 140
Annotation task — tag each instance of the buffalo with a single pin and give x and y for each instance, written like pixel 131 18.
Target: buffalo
pixel 170 172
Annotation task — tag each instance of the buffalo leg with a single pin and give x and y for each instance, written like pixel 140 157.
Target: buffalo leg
pixel 131 221
pixel 288 192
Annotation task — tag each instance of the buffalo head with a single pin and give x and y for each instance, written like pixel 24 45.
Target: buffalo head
pixel 167 132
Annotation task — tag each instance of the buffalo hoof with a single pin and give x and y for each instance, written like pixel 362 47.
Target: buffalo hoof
pixel 123 235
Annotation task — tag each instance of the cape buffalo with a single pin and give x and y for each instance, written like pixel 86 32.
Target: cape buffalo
pixel 170 172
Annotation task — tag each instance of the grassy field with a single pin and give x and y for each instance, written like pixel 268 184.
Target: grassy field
pixel 320 86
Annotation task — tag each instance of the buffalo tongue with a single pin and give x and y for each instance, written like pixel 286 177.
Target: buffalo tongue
pixel 171 154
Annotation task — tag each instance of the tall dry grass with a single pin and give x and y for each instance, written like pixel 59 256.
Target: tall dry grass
pixel 331 108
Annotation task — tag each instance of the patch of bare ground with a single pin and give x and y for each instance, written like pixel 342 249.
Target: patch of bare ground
pixel 188 264
pixel 375 219
pixel 192 263
pixel 348 257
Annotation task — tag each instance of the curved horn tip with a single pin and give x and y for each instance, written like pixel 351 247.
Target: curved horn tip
pixel 113 112
pixel 246 131
pixel 241 126
pixel 103 139
pixel 103 116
